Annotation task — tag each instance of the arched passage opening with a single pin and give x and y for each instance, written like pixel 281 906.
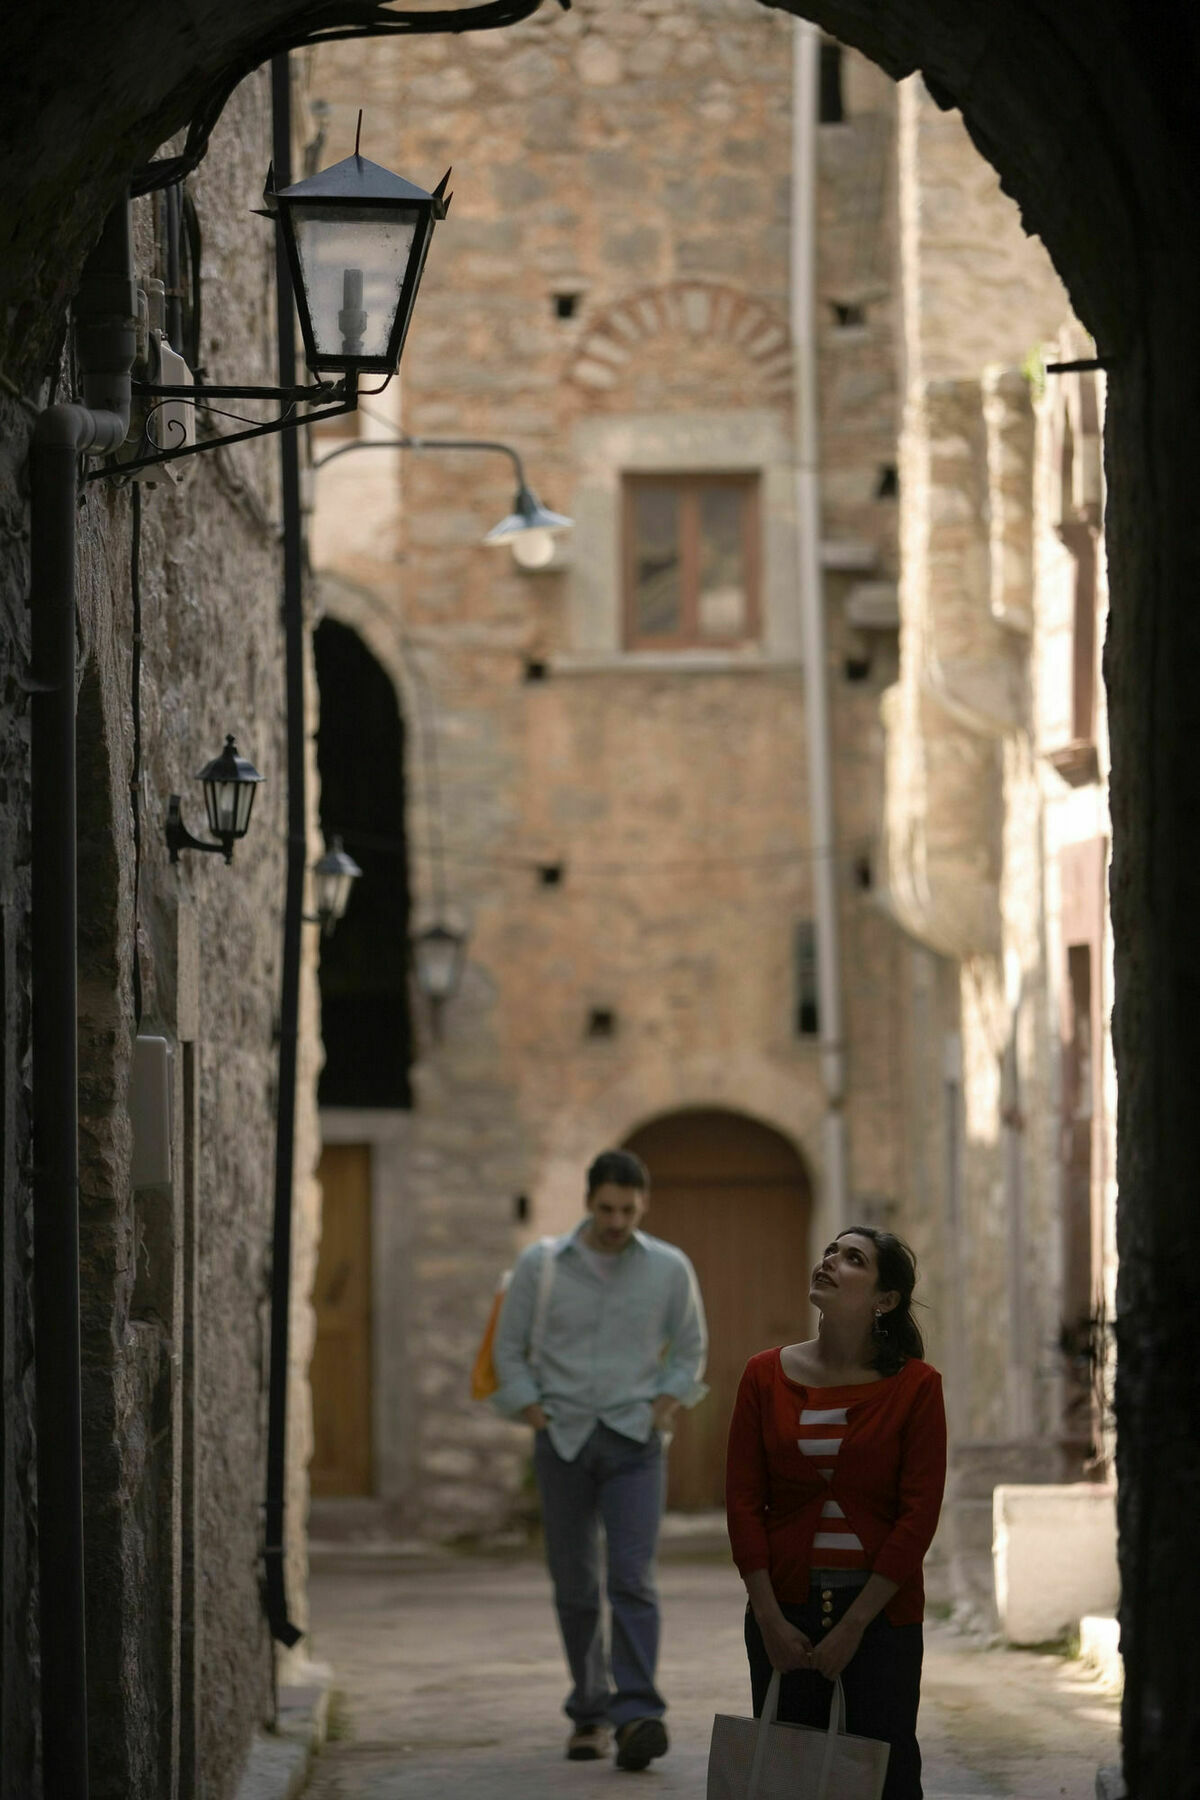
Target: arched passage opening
pixel 735 1196
pixel 365 1019
pixel 367 1033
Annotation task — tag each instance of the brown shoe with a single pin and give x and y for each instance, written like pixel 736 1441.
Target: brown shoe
pixel 639 1741
pixel 589 1743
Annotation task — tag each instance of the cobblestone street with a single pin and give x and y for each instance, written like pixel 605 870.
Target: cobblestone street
pixel 448 1682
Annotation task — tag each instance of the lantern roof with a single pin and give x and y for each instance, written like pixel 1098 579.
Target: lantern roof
pixel 337 861
pixel 358 179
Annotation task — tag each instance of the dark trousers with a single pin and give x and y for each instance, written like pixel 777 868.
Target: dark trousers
pixel 614 1487
pixel 882 1684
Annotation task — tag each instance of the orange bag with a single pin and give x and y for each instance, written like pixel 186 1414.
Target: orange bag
pixel 483 1374
pixel 484 1380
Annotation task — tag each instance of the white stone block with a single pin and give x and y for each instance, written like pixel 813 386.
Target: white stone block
pixel 1054 1555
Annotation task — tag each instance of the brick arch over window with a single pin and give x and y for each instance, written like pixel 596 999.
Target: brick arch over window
pixel 1088 114
pixel 715 337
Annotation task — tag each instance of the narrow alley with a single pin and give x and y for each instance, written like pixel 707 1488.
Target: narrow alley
pixel 448 1681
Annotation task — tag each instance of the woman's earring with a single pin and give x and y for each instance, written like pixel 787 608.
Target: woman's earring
pixel 879 1329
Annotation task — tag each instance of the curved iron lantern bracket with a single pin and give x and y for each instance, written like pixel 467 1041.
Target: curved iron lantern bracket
pixel 344 393
pixel 319 22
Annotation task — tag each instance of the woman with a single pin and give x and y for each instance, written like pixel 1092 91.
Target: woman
pixel 837 1461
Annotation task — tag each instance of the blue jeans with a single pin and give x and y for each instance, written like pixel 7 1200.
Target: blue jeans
pixel 615 1484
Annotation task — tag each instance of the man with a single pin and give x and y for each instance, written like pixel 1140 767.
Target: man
pixel 596 1350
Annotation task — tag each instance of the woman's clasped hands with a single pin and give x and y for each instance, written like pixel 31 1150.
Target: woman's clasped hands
pixel 790 1648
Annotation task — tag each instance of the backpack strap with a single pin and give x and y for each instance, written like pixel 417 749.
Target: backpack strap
pixel 541 1305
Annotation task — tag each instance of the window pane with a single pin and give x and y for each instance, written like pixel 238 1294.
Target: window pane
pixel 721 610
pixel 656 567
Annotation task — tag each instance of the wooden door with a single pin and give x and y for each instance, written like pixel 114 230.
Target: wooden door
pixel 734 1196
pixel 341 1365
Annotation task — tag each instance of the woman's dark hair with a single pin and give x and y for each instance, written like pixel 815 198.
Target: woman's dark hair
pixel 896 1336
pixel 618 1168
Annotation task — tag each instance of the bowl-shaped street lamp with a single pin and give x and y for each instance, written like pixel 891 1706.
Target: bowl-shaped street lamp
pixel 530 530
pixel 333 877
pixel 229 782
pixel 356 237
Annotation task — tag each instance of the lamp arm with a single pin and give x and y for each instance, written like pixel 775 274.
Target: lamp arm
pixel 287 421
pixel 180 838
pixel 200 392
pixel 424 443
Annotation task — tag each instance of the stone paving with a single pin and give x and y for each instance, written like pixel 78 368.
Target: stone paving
pixel 448 1682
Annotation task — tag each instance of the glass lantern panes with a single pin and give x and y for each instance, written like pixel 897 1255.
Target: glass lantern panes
pixel 229 782
pixel 438 954
pixel 353 262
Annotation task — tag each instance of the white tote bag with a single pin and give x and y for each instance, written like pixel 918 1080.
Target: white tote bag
pixel 760 1759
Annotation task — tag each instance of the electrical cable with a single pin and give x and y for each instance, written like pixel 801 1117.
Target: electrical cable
pixel 193 238
pixel 319 22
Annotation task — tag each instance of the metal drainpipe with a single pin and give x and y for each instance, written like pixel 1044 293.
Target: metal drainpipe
pixel 105 311
pixel 274 1545
pixel 832 1214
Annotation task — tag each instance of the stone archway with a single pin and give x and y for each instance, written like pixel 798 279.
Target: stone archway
pixel 1091 122
pixel 735 1196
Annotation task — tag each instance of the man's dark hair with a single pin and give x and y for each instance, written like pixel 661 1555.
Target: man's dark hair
pixel 618 1168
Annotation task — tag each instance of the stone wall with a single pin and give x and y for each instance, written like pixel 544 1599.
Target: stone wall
pixel 979 815
pixel 175 1280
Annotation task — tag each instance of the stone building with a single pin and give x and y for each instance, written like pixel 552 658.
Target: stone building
pixel 179 643
pixel 606 779
pixel 995 848
pixel 624 822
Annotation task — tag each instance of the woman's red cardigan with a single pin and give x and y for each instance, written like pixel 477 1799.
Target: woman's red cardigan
pixel 888 1478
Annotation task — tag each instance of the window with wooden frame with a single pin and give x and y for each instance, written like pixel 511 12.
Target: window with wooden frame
pixel 692 559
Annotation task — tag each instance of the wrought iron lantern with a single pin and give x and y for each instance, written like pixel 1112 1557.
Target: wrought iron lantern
pixel 333 878
pixel 439 954
pixel 356 237
pixel 229 782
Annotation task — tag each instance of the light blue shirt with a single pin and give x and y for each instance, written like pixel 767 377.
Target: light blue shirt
pixel 609 1344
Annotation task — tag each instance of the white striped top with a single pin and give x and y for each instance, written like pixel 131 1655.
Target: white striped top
pixel 835 1545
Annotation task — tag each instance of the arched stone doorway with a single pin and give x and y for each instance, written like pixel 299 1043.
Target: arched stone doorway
pixel 736 1197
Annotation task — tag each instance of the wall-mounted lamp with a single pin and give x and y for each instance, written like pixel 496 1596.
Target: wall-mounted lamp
pixel 356 238
pixel 529 529
pixel 333 877
pixel 229 785
pixel 439 954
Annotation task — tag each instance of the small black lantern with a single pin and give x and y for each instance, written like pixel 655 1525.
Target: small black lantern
pixel 357 237
pixel 439 954
pixel 229 783
pixel 333 877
